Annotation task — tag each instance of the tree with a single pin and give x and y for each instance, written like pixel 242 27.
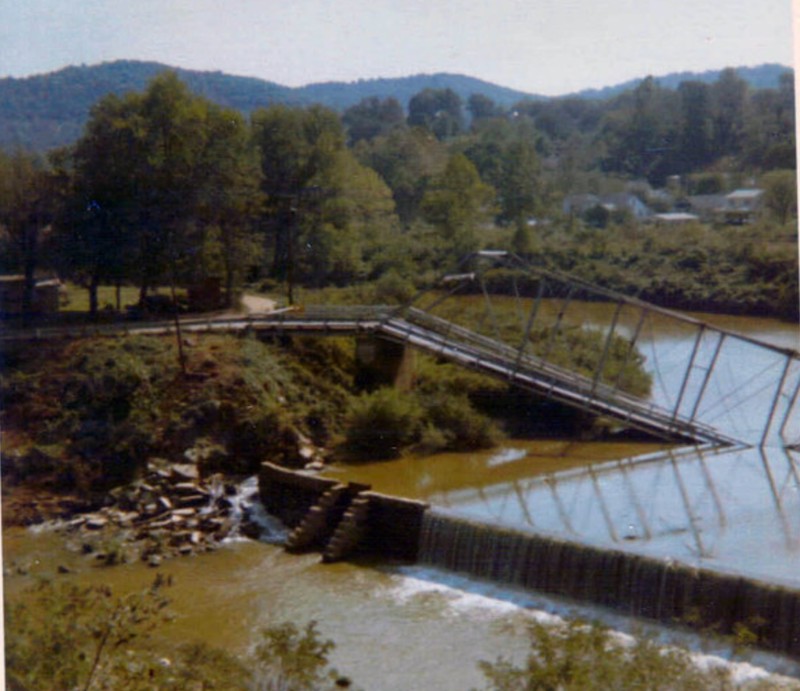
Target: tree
pixel 729 95
pixel 438 110
pixel 482 107
pixel 26 209
pixel 504 154
pixel 230 196
pixel 456 201
pixel 405 159
pixel 345 227
pixel 295 145
pixel 97 225
pixel 152 174
pixel 372 117
pixel 641 133
pixel 780 193
pixel 695 129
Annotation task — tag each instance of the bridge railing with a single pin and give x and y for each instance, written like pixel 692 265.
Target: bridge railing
pixel 444 337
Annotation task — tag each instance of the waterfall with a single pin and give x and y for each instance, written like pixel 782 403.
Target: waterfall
pixel 636 585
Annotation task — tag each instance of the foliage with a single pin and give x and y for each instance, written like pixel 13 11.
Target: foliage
pixel 63 636
pixel 109 404
pixel 455 202
pixel 380 424
pixel 579 656
pixel 288 659
pixel 68 637
pixel 27 202
pixel 438 110
pixel 372 117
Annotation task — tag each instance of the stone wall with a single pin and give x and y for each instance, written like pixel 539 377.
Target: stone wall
pixel 393 525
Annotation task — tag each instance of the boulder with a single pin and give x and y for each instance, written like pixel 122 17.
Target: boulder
pixel 184 472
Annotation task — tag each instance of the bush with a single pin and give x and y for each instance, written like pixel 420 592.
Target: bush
pixel 583 657
pixel 382 423
pixel 459 425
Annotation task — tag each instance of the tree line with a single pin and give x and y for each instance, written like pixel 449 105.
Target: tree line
pixel 167 187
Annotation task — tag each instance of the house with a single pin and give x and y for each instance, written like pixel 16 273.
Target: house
pixel 674 218
pixel 46 298
pixel 625 201
pixel 743 205
pixel 709 207
pixel 579 204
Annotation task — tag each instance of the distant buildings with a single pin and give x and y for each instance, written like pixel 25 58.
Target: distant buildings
pixel 736 208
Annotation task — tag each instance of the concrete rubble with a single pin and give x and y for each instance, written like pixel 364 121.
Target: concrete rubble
pixel 171 511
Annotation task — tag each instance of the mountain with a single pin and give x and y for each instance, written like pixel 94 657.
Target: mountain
pixel 45 111
pixel 760 77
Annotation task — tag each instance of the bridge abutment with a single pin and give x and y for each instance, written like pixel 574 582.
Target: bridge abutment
pixel 383 363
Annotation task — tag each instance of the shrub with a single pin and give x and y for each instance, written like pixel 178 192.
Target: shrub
pixel 382 423
pixel 460 426
pixel 582 657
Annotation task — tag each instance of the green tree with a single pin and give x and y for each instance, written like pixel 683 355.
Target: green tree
pixel 406 159
pixel 694 147
pixel 584 657
pixel 342 237
pixel 641 132
pixel 729 95
pixel 438 110
pixel 372 117
pixel 230 196
pixel 295 147
pixel 97 225
pixel 456 202
pixel 780 194
pixel 482 107
pixel 145 172
pixel 27 189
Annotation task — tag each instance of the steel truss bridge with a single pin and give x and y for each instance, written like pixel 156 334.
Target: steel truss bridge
pixel 563 339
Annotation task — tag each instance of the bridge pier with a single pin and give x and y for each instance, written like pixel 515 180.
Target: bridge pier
pixel 380 362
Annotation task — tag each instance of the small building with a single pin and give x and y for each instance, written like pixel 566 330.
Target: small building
pixel 46 296
pixel 743 205
pixel 674 218
pixel 579 204
pixel 709 207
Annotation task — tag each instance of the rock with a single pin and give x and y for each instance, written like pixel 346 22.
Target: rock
pixel 154 560
pixel 165 503
pixel 96 522
pixel 315 466
pixel 183 472
pixel 188 488
pixel 185 549
pixel 63 569
pixel 192 500
pixel 183 513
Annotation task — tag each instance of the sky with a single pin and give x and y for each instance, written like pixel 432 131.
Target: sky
pixel 548 47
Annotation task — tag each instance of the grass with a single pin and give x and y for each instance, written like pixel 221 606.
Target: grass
pixel 77 297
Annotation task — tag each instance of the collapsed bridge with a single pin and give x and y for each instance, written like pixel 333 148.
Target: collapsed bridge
pixel 528 326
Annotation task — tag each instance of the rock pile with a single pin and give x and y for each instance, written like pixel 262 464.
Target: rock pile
pixel 169 512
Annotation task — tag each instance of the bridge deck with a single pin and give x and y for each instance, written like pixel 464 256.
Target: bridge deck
pixel 439 337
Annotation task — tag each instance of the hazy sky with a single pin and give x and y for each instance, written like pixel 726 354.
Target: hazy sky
pixel 538 46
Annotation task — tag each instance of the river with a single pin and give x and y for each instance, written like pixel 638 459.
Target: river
pixel 400 627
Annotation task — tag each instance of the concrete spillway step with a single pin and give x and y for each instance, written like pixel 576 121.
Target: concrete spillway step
pixel 316 524
pixel 349 532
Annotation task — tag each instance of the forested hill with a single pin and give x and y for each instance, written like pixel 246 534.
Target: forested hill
pixel 44 111
pixel 760 77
